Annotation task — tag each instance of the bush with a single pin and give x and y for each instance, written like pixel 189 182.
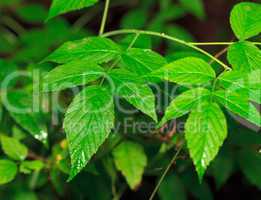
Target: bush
pixel 128 113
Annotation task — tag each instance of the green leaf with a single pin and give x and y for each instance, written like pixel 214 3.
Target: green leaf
pixel 244 56
pixel 28 166
pixel 20 106
pixel 172 187
pixel 143 41
pixel 205 132
pixel 88 122
pixel 135 19
pixel 183 103
pixel 195 7
pixel 92 50
pixel 189 70
pixel 245 20
pixel 32 13
pixel 255 96
pixel 72 74
pixel 249 163
pixel 239 104
pixel 235 80
pixel 131 160
pixel 247 83
pixel 13 148
pixel 8 170
pixel 135 91
pixel 222 168
pixel 142 61
pixel 59 7
pixel 7 68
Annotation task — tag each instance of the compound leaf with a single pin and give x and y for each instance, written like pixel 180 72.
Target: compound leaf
pixel 189 70
pixel 92 50
pixel 205 132
pixel 135 91
pixel 244 56
pixel 183 103
pixel 13 148
pixel 8 170
pixel 71 74
pixel 62 6
pixel 131 160
pixel 245 20
pixel 88 122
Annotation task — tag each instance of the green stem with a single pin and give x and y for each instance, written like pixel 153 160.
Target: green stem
pixel 168 37
pixel 104 17
pixel 165 172
pixel 217 43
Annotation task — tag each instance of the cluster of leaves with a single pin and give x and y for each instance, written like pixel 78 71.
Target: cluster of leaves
pixel 107 71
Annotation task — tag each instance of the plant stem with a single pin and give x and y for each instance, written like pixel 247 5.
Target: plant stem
pixel 168 37
pixel 104 17
pixel 217 43
pixel 165 172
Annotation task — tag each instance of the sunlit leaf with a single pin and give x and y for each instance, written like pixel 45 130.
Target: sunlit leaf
pixel 205 132
pixel 245 20
pixel 88 122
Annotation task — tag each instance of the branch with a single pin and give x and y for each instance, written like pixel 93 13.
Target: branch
pixel 165 172
pixel 104 17
pixel 168 37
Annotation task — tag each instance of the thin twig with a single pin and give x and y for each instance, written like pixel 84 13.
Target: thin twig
pixel 104 17
pixel 165 172
pixel 220 53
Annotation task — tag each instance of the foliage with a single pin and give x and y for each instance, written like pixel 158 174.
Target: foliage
pixel 114 80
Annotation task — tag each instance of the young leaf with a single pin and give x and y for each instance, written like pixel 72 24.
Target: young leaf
pixel 28 166
pixel 131 160
pixel 8 170
pixel 196 7
pixel 88 122
pixel 190 70
pixel 142 61
pixel 71 74
pixel 245 20
pixel 239 104
pixel 133 89
pixel 183 103
pixel 13 148
pixel 244 56
pixel 20 106
pixel 92 50
pixel 59 7
pixel 205 132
